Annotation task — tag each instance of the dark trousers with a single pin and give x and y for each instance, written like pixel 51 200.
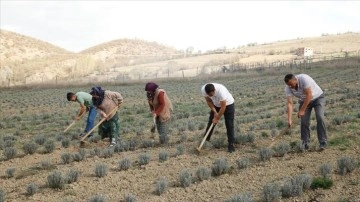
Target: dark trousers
pixel 319 107
pixel 229 115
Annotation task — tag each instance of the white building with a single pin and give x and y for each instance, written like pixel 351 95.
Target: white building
pixel 305 51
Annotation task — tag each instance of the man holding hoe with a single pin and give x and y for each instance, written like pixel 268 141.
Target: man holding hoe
pixel 220 102
pixel 310 96
pixel 85 101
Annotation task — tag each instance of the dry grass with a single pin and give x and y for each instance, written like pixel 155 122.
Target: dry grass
pixel 25 60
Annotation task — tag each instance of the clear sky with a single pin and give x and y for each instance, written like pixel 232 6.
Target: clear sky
pixel 204 25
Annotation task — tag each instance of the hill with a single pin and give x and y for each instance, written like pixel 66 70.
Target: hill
pixel 17 47
pixel 322 45
pixel 25 60
pixel 249 55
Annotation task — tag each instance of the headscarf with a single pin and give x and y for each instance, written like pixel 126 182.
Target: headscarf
pixel 150 87
pixel 99 92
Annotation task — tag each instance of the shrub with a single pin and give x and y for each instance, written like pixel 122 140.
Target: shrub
pixel 55 180
pixel 77 157
pixel 282 149
pixel 295 186
pixel 129 198
pixel 164 139
pixel 219 167
pixel 66 158
pixel 108 152
pixel 82 152
pixel 183 138
pixel 59 137
pixel 144 159
pixel 325 170
pixel 203 173
pixel 100 170
pixel 241 139
pixel 49 146
pixel 271 192
pixel 10 172
pixel 10 152
pixel 320 182
pixel 191 126
pixel 123 146
pixel 2 195
pixel 72 176
pixel 265 154
pixel 29 147
pixel 297 146
pixel 242 163
pixel 250 137
pixel 65 142
pixel 139 132
pixel 40 139
pixel 118 148
pixel 346 165
pixel 274 133
pixel 180 150
pixel 185 178
pixel 9 143
pixel 219 143
pixel 246 197
pixel 97 151
pixel 132 144
pixel 97 198
pixel 148 143
pixel 201 126
pixel 45 165
pixel 338 120
pixel 31 189
pixel 125 164
pixel 163 155
pixel 9 138
pixel 161 186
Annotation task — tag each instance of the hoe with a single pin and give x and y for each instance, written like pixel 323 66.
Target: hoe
pixel 82 141
pixel 204 139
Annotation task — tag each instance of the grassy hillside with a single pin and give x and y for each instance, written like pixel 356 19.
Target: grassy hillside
pixel 25 60
pixel 18 47
pixel 322 45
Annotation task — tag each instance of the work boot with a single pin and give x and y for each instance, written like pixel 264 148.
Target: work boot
pixel 113 142
pixel 306 145
pixel 231 148
pixel 322 146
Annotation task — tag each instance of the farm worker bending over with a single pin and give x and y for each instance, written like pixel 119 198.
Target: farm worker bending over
pixel 310 96
pixel 85 101
pixel 220 102
pixel 161 109
pixel 106 101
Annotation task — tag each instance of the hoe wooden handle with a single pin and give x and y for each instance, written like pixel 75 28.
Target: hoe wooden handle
pixel 206 135
pixel 70 126
pixel 97 125
pixel 74 121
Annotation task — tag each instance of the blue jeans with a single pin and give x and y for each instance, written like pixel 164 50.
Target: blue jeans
pixel 90 121
pixel 318 105
pixel 229 115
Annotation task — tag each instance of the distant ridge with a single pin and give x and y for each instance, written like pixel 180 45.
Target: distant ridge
pixel 26 60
